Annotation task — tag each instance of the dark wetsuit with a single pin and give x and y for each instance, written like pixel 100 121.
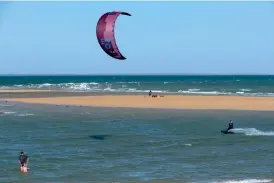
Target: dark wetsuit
pixel 230 126
pixel 23 159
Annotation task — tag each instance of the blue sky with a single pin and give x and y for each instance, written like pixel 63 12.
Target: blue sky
pixel 159 37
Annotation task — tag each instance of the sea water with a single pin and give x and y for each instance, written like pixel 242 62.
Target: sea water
pixel 88 144
pixel 243 85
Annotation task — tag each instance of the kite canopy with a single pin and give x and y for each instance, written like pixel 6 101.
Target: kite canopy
pixel 105 34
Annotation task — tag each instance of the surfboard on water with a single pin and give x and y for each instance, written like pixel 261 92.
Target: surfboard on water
pixel 227 132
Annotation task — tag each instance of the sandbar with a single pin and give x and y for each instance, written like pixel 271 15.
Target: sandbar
pixel 169 101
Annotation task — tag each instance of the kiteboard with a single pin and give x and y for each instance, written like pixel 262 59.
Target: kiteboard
pixel 227 132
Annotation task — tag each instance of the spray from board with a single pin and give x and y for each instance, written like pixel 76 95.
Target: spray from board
pixel 246 181
pixel 252 132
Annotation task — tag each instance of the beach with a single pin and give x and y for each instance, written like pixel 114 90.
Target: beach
pixel 169 101
pixel 223 92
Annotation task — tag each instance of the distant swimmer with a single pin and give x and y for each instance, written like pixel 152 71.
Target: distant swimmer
pixel 23 161
pixel 230 125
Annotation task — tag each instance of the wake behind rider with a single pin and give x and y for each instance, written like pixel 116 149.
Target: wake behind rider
pixel 230 125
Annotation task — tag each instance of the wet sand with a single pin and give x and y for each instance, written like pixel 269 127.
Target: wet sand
pixel 169 101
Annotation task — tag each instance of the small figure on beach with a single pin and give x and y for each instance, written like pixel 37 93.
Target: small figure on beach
pixel 150 93
pixel 23 161
pixel 230 125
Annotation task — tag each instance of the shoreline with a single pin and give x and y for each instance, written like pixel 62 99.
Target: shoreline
pixel 166 102
pixel 40 93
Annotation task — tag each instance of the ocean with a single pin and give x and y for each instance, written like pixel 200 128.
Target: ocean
pixel 126 145
pixel 245 85
pixel 89 144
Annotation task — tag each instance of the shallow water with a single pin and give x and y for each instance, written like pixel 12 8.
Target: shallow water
pixel 86 144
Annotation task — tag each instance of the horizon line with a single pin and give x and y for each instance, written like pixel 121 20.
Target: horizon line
pixel 136 0
pixel 146 74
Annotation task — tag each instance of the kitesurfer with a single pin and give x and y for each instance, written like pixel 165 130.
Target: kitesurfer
pixel 230 125
pixel 23 160
pixel 150 93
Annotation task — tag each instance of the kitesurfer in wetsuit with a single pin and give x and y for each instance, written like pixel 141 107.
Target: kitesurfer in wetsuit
pixel 23 160
pixel 230 125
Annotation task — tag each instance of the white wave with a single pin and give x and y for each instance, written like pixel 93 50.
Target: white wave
pixel 7 112
pixel 193 89
pixel 246 181
pixel 245 89
pixel 130 82
pixel 44 85
pixel 188 144
pixel 203 92
pixel 252 132
pixel 6 105
pixel 80 86
pixel 27 114
pixel 240 92
pixel 15 113
pixel 157 91
pixel 73 86
pixel 109 89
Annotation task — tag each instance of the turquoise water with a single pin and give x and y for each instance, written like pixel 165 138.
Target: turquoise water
pixel 251 85
pixel 86 144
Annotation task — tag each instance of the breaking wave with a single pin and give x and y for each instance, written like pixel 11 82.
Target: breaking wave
pixel 13 113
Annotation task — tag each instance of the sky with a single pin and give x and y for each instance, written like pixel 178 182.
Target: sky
pixel 159 38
